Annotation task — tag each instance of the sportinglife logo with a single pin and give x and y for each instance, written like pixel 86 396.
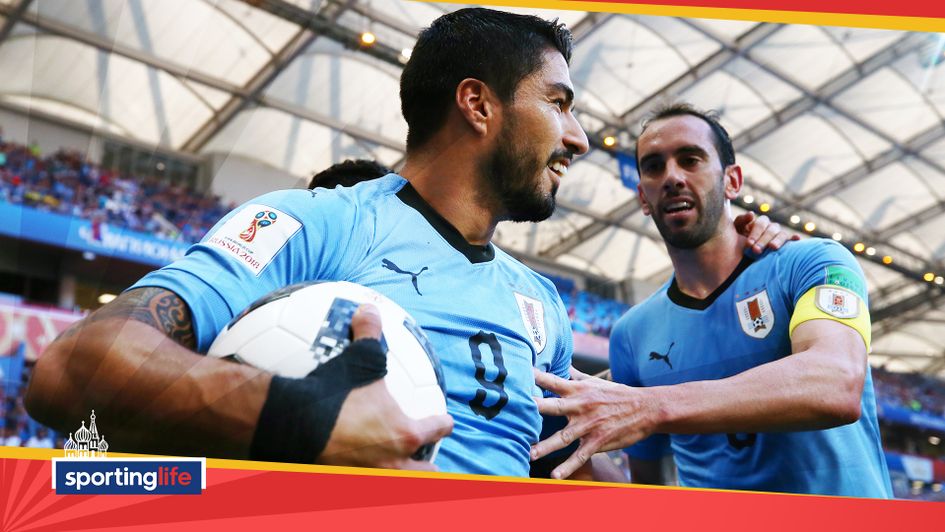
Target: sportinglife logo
pixel 86 471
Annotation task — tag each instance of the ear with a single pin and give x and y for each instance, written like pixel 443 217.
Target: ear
pixel 733 181
pixel 644 204
pixel 477 105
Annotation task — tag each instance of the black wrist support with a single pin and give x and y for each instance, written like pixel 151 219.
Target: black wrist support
pixel 299 414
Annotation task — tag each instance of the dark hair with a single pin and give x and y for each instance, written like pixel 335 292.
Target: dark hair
pixel 348 173
pixel 723 143
pixel 497 48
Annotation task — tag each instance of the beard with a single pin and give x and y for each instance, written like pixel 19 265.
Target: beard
pixel 513 174
pixel 706 224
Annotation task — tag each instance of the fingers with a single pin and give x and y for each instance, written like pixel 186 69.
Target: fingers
pixel 551 406
pixel 417 465
pixel 558 440
pixel 743 222
pixel 551 383
pixel 366 323
pixel 434 428
pixel 579 376
pixel 574 462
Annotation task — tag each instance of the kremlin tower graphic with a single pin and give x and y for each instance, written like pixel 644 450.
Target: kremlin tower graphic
pixel 86 442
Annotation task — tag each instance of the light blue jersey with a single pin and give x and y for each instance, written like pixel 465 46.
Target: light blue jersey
pixel 490 318
pixel 672 338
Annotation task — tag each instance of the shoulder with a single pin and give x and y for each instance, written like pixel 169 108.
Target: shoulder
pixel 338 207
pixel 812 249
pixel 545 286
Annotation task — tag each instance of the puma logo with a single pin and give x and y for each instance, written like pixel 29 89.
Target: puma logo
pixel 665 358
pixel 396 269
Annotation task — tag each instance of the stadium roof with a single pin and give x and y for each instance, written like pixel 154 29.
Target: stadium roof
pixel 842 127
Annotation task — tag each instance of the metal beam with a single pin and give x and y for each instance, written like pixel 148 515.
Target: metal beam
pixel 881 160
pixel 182 72
pixel 615 217
pixel 256 85
pixel 13 17
pixel 913 220
pixel 901 312
pixel 697 72
pixel 809 100
pixel 597 217
pixel 350 129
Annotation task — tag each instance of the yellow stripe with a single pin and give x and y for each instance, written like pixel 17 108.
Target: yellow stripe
pixel 23 453
pixel 806 310
pixel 756 15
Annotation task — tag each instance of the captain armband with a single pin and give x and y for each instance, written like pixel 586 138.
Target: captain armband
pixel 832 302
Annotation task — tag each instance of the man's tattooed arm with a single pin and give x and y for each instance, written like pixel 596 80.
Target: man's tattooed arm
pixel 162 309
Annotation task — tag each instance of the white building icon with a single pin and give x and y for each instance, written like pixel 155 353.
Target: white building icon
pixel 87 443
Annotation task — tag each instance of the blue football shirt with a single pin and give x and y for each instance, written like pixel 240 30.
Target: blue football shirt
pixel 490 318
pixel 671 338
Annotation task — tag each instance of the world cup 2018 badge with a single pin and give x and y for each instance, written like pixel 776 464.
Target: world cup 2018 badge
pixel 262 219
pixel 755 315
pixel 533 316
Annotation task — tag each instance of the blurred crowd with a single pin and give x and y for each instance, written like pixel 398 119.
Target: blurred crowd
pixel 917 392
pixel 591 313
pixel 17 429
pixel 66 183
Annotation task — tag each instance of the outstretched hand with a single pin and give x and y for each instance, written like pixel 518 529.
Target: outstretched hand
pixel 603 415
pixel 762 232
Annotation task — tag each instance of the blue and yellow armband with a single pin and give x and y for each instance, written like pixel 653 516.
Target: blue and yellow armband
pixel 833 302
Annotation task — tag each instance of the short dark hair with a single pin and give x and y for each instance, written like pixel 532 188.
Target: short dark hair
pixel 497 48
pixel 348 173
pixel 722 141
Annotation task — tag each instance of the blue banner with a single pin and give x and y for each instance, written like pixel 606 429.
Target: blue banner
pixel 898 414
pixel 11 370
pixel 81 234
pixel 145 476
pixel 627 166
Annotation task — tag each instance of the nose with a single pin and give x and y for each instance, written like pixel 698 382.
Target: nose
pixel 575 139
pixel 675 177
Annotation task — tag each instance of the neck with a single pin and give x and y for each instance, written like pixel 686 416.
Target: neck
pixel 446 175
pixel 701 270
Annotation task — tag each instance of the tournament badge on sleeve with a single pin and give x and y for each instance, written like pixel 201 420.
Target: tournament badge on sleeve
pixel 838 302
pixel 755 315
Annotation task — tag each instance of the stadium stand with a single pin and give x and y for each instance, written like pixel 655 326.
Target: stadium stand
pixel 66 183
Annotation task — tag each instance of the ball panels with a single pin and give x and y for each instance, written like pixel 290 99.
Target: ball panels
pixel 294 330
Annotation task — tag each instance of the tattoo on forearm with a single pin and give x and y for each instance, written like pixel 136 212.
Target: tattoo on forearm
pixel 157 307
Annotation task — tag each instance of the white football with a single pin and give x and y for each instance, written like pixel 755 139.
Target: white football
pixel 295 329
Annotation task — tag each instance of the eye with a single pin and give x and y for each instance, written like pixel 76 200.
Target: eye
pixel 560 103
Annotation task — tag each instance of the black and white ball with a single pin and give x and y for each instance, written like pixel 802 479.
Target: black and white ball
pixel 294 330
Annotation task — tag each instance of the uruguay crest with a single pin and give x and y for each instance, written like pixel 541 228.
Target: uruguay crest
pixel 755 315
pixel 533 316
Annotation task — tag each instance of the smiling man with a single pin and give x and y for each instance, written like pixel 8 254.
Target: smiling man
pixel 488 99
pixel 756 367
